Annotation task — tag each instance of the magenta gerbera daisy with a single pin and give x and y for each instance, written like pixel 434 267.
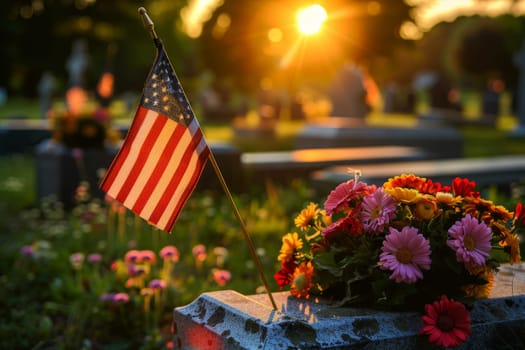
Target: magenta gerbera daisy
pixel 342 194
pixel 470 240
pixel 405 253
pixel 377 210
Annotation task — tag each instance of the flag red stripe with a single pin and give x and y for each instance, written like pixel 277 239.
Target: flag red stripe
pixel 160 168
pixel 174 183
pixel 142 156
pixel 203 156
pixel 121 156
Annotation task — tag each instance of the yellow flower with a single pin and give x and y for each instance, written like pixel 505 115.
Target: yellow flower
pixel 512 241
pixel 302 280
pixel 405 195
pixel 480 290
pixel 447 198
pixel 291 242
pixel 426 208
pixel 307 216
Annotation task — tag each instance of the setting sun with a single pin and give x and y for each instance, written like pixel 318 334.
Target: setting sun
pixel 310 19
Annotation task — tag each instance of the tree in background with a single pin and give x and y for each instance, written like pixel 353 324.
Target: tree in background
pixel 237 40
pixel 38 36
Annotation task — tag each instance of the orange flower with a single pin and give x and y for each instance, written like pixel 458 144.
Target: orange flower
pixel 405 181
pixel 512 242
pixel 302 280
pixel 480 290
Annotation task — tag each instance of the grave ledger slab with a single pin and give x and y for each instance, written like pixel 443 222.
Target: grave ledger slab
pixel 437 142
pixel 230 320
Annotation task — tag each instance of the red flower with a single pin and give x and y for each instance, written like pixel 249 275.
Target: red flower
pixel 464 187
pixel 283 277
pixel 519 215
pixel 348 225
pixel 447 322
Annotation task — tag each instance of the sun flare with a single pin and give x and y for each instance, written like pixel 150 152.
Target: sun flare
pixel 310 19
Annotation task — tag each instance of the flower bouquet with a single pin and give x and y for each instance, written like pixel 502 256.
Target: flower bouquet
pixel 407 245
pixel 80 126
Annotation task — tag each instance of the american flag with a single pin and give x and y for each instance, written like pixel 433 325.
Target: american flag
pixel 163 154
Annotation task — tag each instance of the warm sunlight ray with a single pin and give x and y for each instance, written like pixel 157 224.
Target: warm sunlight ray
pixel 310 19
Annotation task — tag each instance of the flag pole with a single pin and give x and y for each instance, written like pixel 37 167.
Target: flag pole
pixel 148 23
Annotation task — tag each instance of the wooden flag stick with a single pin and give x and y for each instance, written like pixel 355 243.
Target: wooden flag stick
pixel 243 227
pixel 148 23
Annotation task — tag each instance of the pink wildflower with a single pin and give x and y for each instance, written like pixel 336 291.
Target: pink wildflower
pixel 170 252
pixel 221 277
pixel 199 252
pixel 157 284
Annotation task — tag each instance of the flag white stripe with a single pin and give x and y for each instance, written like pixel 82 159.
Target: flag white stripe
pixel 153 159
pixel 133 153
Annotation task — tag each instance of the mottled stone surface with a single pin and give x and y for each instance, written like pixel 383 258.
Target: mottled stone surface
pixel 230 320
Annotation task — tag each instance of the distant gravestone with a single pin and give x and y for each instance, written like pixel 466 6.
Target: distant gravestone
pixel 519 61
pixel 491 101
pixel 78 63
pixel 348 93
pixel 46 88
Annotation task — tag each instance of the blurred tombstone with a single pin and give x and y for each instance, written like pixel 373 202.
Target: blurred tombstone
pixel 439 94
pixel 3 95
pixel 269 109
pixel 296 108
pixel 78 63
pixel 46 88
pixel 398 99
pixel 348 93
pixel 389 98
pixel 491 99
pixel 519 61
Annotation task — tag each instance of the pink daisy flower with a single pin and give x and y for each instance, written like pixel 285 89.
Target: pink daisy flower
pixel 221 277
pixel 471 241
pixel 342 194
pixel 405 253
pixel 377 210
pixel 170 252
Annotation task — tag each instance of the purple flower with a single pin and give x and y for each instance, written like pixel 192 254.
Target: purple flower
pixel 405 253
pixel 94 258
pixel 471 241
pixel 377 210
pixel 27 250
pixel 107 297
pixel 157 284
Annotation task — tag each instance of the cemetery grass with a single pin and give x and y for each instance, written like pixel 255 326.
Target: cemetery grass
pixel 49 301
